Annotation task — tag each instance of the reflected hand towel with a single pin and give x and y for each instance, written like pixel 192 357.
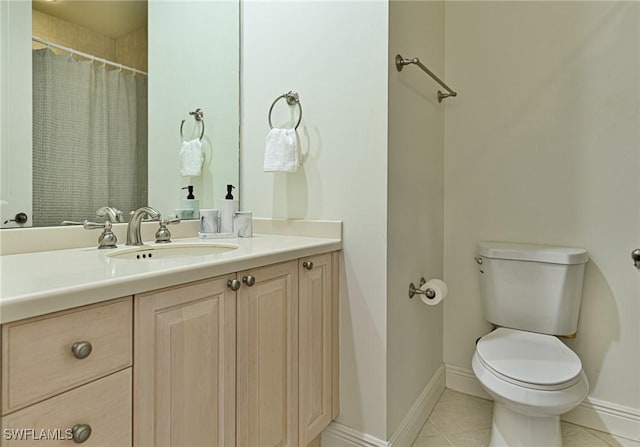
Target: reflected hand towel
pixel 191 158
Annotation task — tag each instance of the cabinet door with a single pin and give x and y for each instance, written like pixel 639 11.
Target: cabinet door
pixel 315 350
pixel 267 394
pixel 184 366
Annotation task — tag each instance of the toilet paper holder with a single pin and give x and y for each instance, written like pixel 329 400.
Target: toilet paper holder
pixel 413 290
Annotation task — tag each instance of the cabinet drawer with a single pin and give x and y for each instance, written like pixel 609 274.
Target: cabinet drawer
pixel 37 357
pixel 103 405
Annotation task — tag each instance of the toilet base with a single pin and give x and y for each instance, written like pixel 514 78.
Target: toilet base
pixel 512 429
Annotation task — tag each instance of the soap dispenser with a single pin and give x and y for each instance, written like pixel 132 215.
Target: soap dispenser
pixel 227 207
pixel 190 206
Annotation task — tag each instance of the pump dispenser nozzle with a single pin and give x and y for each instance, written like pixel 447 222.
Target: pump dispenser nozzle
pixel 229 196
pixel 190 196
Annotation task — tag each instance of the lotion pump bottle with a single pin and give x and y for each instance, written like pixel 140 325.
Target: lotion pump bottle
pixel 190 206
pixel 228 206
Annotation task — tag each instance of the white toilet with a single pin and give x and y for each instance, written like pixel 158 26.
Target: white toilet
pixel 532 293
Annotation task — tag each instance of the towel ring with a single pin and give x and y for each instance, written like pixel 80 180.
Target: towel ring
pixel 198 116
pixel 292 99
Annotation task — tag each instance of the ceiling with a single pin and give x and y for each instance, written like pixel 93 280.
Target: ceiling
pixel 113 18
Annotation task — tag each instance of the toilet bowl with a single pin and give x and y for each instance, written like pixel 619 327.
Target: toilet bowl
pixel 533 379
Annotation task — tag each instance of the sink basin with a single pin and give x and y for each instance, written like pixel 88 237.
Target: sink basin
pixel 151 252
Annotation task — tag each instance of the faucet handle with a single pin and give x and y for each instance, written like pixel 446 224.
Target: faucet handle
pixel 163 235
pixel 107 238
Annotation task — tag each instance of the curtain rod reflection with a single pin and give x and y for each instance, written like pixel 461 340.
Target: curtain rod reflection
pixel 88 56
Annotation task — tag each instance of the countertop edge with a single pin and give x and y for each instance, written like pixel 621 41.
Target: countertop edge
pixel 22 307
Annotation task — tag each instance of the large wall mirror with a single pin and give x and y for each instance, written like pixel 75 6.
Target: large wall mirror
pixel 162 60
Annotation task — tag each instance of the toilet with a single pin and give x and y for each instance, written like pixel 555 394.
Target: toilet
pixel 532 294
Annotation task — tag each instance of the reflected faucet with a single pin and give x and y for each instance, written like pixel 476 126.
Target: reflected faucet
pixel 113 214
pixel 133 229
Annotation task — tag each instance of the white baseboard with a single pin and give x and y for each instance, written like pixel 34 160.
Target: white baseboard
pixel 419 412
pixel 339 435
pixel 591 413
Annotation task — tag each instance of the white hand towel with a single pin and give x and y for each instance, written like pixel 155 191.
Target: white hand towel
pixel 191 158
pixel 281 151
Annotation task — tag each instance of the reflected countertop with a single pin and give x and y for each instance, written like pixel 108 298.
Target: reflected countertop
pixel 34 284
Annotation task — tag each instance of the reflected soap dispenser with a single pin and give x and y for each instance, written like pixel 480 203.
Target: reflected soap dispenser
pixel 227 207
pixel 190 207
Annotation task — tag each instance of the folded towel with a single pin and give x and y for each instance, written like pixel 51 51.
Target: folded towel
pixel 281 151
pixel 191 158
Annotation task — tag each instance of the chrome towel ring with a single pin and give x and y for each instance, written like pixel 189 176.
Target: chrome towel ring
pixel 198 116
pixel 292 99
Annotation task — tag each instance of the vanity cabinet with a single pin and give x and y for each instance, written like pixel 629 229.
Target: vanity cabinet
pixel 69 374
pixel 248 359
pixel 184 377
pixel 317 353
pixel 256 366
pixel 267 396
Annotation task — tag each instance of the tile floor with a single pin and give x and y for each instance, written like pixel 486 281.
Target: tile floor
pixel 460 420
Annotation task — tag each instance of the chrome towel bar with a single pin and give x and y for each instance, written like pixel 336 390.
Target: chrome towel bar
pixel 198 115
pixel 292 99
pixel 401 62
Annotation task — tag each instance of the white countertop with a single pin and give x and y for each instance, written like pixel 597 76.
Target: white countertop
pixel 38 283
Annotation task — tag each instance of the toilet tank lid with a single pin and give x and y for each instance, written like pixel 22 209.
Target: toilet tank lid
pixel 532 252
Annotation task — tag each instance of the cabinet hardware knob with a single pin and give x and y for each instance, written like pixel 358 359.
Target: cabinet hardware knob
pixel 81 433
pixel 249 280
pixel 308 265
pixel 635 256
pixel 81 349
pixel 479 259
pixel 233 284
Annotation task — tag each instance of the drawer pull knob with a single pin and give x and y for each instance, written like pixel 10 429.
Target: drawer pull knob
pixel 249 280
pixel 233 284
pixel 81 433
pixel 308 265
pixel 81 349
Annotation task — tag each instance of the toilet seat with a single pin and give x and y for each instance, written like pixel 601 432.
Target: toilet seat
pixel 529 360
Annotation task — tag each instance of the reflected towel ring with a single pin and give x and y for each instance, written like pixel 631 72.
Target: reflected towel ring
pixel 198 116
pixel 292 99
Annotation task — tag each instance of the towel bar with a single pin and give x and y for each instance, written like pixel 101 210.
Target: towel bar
pixel 401 62
pixel 292 99
pixel 198 115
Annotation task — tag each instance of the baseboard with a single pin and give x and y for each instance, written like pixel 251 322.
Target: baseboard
pixel 606 416
pixel 339 435
pixel 419 412
pixel 592 413
pixel 464 381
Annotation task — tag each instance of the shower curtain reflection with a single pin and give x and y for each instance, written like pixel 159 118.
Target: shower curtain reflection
pixel 89 139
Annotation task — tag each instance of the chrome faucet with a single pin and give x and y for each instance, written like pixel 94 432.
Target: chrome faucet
pixel 133 229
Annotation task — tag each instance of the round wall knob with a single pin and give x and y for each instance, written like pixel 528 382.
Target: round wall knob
pixel 249 280
pixel 81 349
pixel 233 284
pixel 81 433
pixel 308 265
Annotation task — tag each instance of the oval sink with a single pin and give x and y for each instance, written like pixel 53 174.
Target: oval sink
pixel 150 252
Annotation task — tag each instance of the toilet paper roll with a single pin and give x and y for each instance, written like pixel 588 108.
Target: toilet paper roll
pixel 439 287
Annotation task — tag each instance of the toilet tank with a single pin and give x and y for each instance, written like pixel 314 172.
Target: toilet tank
pixel 535 288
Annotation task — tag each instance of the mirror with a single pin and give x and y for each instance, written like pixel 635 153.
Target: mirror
pixel 193 62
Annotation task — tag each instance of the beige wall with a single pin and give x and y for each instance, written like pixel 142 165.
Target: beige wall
pixel 542 145
pixel 130 50
pixel 415 202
